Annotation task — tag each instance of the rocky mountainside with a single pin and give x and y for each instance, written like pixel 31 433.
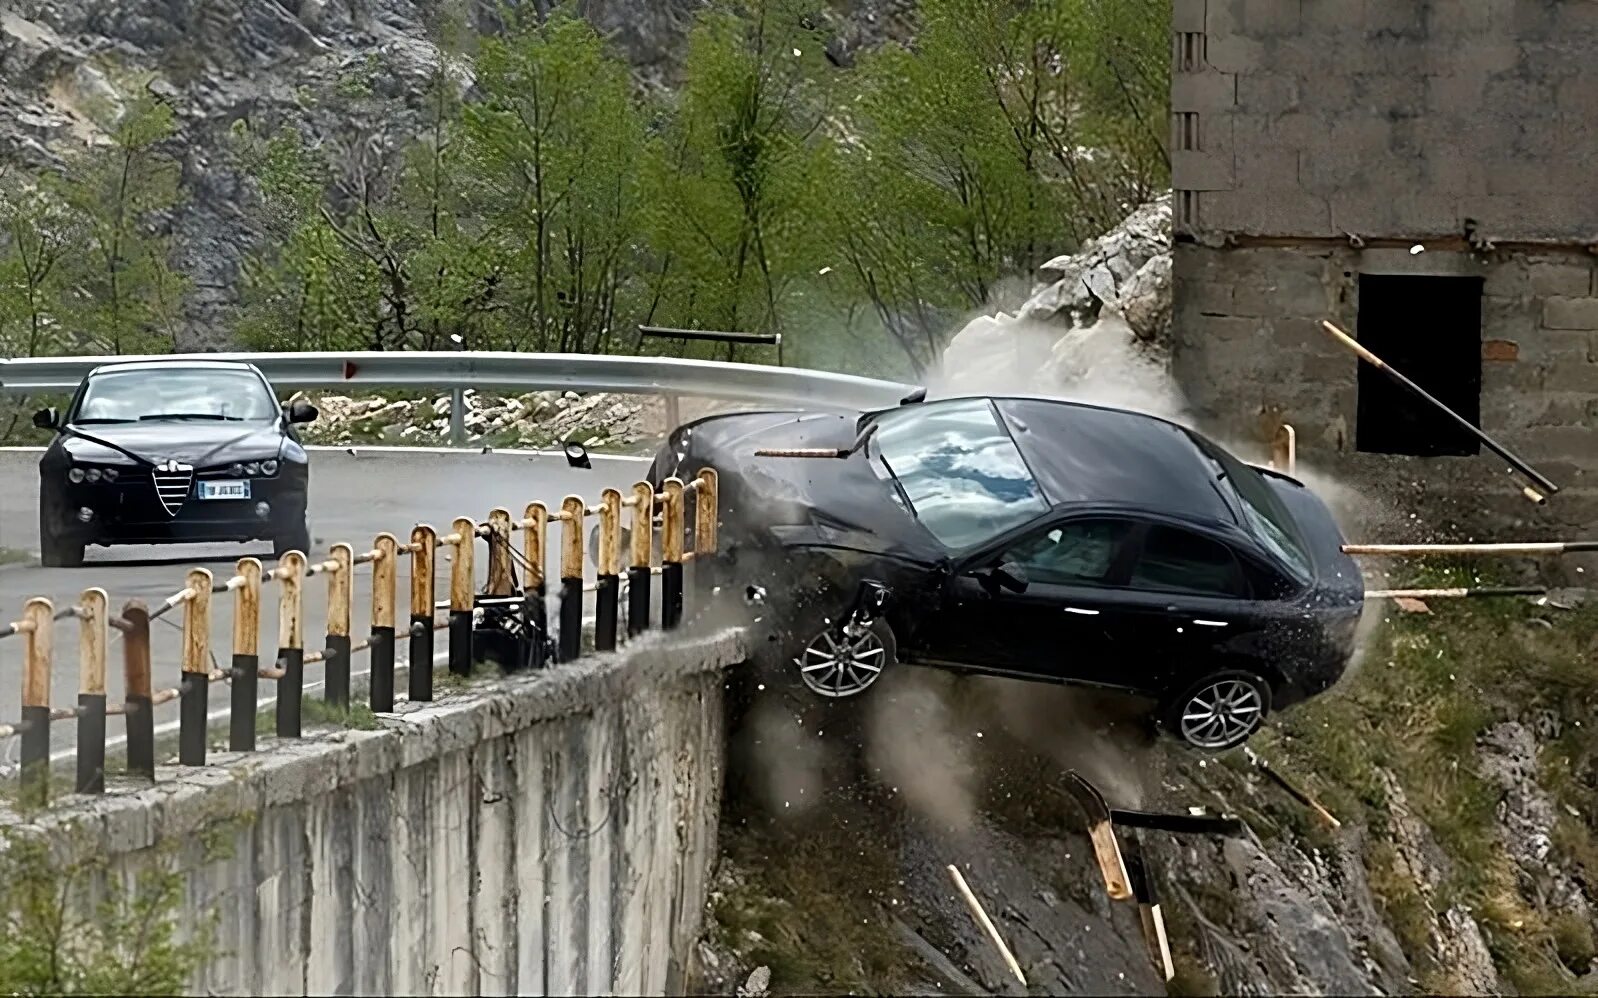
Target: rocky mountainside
pixel 217 62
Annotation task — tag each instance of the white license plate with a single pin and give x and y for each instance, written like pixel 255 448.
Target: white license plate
pixel 224 490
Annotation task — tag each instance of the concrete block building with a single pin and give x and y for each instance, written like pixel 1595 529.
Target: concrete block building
pixel 1425 174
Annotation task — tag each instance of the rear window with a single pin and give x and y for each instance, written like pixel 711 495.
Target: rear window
pixel 1265 514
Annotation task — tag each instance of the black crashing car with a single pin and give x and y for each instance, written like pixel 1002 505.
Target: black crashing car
pixel 1036 539
pixel 156 452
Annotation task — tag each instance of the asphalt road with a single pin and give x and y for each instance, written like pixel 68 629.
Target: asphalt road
pixel 354 497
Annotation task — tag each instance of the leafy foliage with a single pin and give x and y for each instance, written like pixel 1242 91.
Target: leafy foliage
pixel 69 924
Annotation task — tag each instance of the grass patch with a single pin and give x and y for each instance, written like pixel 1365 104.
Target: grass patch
pixel 1429 686
pixel 318 712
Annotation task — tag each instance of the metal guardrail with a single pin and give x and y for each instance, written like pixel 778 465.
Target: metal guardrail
pixel 457 370
pixel 685 551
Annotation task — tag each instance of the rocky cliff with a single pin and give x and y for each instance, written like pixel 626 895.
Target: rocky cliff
pixel 217 62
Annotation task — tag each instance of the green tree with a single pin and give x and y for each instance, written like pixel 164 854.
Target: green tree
pixel 127 298
pixel 1010 134
pixel 555 147
pixel 738 183
pixel 38 236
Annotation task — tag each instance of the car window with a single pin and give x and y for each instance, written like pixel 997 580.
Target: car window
pixel 1266 515
pixel 1175 560
pixel 1078 552
pixel 154 394
pixel 962 474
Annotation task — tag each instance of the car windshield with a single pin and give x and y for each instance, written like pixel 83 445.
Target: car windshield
pixel 964 477
pixel 178 393
pixel 1267 516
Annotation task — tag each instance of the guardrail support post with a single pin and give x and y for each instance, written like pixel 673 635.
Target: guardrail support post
pixel 424 547
pixel 246 656
pixel 461 579
pixel 385 581
pixel 140 712
pixel 535 612
pixel 671 555
pixel 340 592
pixel 608 597
pixel 571 578
pixel 643 547
pixel 37 616
pixel 457 417
pixel 290 644
pixel 196 687
pixel 92 643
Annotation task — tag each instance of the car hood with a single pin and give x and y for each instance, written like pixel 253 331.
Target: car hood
pixel 825 502
pixel 201 444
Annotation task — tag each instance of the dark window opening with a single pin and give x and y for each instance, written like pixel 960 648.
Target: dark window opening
pixel 1429 330
pixel 1182 562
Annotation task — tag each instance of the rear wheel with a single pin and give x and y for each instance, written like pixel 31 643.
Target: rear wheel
pixel 1218 712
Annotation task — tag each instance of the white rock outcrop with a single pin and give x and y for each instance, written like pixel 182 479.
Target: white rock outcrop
pixel 1096 327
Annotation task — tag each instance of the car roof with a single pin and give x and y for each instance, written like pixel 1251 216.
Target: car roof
pixel 1083 453
pixel 154 365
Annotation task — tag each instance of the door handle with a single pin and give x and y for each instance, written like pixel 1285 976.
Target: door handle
pixel 1083 612
pixel 1210 623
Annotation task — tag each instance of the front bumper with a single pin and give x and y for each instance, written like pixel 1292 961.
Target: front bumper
pixel 129 511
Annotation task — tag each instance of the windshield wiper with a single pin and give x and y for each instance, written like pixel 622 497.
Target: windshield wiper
pixel 188 415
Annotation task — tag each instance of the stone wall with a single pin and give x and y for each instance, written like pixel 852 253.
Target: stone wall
pixel 552 834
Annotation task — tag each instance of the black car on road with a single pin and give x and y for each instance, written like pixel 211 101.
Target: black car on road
pixel 1033 538
pixel 157 452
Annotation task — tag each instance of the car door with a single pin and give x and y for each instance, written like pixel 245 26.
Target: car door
pixel 1187 605
pixel 1055 629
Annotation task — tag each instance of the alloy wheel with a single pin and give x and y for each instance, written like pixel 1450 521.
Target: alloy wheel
pixel 842 664
pixel 1222 714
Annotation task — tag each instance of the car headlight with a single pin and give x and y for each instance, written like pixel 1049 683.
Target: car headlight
pixel 75 475
pixel 111 474
pixel 235 469
pixel 268 467
pixel 253 468
pixel 92 475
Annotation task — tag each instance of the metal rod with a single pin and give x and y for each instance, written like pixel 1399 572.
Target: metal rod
pixel 461 579
pixel 290 645
pixel 424 545
pixel 192 713
pixel 93 638
pixel 1453 592
pixel 385 582
pixel 535 612
pixel 571 578
pixel 671 544
pixel 246 657
pixel 140 711
pixel 607 603
pixel 340 594
pixel 769 339
pixel 1531 548
pixel 1525 469
pixel 643 546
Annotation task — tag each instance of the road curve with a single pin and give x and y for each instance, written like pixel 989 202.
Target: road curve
pixel 353 497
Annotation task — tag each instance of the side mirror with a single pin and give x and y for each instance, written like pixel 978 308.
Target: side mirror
pixel 1011 576
pixel 577 455
pixel 47 419
pixel 301 411
pixel 1008 576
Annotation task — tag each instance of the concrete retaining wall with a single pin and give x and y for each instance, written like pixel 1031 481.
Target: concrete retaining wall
pixel 544 835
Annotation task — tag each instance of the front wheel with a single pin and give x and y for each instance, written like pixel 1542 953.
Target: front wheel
pixel 297 538
pixel 1219 712
pixel 841 661
pixel 56 551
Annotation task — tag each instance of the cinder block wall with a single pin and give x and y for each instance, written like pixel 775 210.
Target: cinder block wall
pixel 1315 140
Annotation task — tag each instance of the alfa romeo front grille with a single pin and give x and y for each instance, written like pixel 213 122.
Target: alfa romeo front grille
pixel 172 484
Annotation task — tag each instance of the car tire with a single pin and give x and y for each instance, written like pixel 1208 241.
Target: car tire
pixel 56 551
pixel 1218 712
pixel 294 539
